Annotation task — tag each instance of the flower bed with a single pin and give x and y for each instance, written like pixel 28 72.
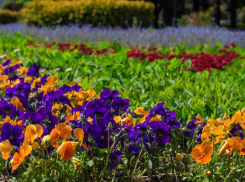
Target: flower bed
pixel 190 36
pixel 201 61
pixel 63 132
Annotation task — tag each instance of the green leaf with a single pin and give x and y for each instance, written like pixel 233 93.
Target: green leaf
pixel 150 164
pixel 90 163
pixel 184 113
pixel 205 74
pixel 116 46
pixel 103 45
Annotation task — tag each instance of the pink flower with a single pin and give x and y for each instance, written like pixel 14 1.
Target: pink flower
pixel 41 70
pixel 3 56
pixel 68 69
pixel 57 69
pixel 17 50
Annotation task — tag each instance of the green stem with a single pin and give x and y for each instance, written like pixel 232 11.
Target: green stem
pixel 193 139
pixel 172 167
pixel 227 177
pixel 137 162
pixel 94 170
pixel 141 174
pixel 165 167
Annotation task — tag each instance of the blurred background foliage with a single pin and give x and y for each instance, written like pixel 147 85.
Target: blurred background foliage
pixel 160 13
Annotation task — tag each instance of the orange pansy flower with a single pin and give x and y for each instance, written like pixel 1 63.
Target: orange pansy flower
pixel 141 111
pixel 155 118
pixel 16 102
pixel 60 132
pixel 15 83
pixel 214 134
pixel 2 68
pixel 226 148
pixel 32 132
pixel 52 80
pixel 128 120
pixel 203 152
pixel 67 150
pixel 75 116
pixel 117 119
pixel 79 134
pixel 238 144
pixel 35 82
pixel 5 149
pixel 28 79
pixel 18 158
pixel 72 83
pixel 200 118
pixel 23 71
pixel 4 84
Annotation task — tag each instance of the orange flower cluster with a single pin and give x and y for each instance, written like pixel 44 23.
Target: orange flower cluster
pixel 215 132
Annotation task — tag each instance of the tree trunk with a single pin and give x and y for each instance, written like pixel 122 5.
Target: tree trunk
pixel 175 13
pixel 233 8
pixel 156 16
pixel 196 5
pixel 168 13
pixel 218 13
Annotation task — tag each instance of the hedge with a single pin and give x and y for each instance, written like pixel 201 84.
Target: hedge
pixel 7 16
pixel 95 12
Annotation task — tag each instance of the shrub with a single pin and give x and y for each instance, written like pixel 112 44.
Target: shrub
pixel 95 12
pixel 200 18
pixel 15 5
pixel 7 16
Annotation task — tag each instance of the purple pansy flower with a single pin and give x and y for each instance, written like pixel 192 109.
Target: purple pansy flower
pixel 192 127
pixel 162 133
pixel 170 120
pixel 11 133
pixel 120 104
pixel 107 94
pixel 134 149
pixel 115 158
pixel 100 135
pixel 33 71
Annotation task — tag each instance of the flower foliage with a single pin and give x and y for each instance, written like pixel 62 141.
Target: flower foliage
pixel 199 61
pixel 40 117
pixel 51 131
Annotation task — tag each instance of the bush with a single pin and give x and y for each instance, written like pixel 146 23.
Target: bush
pixel 197 19
pixel 104 12
pixel 15 5
pixel 7 16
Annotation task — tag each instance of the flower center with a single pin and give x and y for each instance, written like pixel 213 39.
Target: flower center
pixel 102 137
pixel 11 138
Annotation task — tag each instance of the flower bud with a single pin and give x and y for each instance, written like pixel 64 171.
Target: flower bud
pixel 208 172
pixel 178 156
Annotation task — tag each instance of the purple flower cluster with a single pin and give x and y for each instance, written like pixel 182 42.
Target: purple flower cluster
pixel 103 131
pixel 190 36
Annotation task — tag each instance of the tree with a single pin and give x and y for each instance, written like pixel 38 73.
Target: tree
pixel 168 12
pixel 233 13
pixel 158 7
pixel 218 13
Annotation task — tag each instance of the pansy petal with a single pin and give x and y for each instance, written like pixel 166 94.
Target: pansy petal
pixel 196 153
pixel 79 134
pixel 204 160
pixel 39 130
pixel 208 150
